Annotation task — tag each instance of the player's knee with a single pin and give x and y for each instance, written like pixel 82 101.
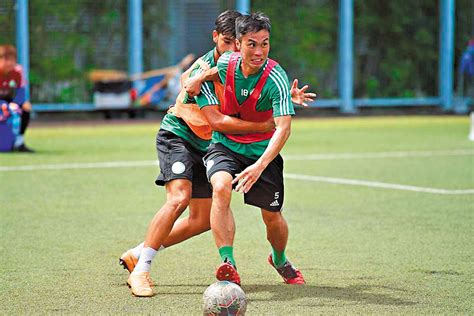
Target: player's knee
pixel 272 218
pixel 179 201
pixel 221 189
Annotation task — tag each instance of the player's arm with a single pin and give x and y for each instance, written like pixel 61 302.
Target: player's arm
pixel 232 125
pixel 299 96
pixel 193 85
pixel 199 63
pixel 209 105
pixel 251 174
pixel 217 73
pixel 282 112
pixel 184 76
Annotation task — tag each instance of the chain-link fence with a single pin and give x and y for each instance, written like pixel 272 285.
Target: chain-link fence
pixel 70 38
pixel 396 44
pixel 7 21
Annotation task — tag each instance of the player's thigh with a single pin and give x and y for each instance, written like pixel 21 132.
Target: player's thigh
pixel 268 192
pixel 179 190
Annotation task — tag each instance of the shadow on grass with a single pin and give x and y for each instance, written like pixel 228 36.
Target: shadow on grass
pixel 354 293
pixel 359 293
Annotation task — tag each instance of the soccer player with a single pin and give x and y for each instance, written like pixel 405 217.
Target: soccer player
pixel 12 89
pixel 256 89
pixel 180 152
pixel 182 141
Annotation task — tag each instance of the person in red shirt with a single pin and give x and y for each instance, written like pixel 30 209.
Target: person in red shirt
pixel 12 90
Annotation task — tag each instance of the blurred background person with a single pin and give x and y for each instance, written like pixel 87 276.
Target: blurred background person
pixel 12 90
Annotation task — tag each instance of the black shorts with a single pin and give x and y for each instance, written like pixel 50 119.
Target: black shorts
pixel 179 160
pixel 266 193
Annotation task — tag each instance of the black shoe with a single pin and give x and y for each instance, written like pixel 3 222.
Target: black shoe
pixel 23 149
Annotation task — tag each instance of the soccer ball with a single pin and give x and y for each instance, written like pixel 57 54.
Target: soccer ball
pixel 224 298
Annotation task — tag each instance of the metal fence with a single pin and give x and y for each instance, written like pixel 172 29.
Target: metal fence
pixel 67 39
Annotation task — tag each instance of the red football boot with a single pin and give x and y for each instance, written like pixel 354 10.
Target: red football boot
pixel 227 272
pixel 288 272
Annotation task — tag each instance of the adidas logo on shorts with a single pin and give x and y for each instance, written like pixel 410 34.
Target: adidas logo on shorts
pixel 275 203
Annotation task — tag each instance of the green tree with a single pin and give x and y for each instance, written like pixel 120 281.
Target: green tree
pixel 304 40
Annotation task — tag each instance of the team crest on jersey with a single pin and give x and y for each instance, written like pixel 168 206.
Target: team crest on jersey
pixel 12 84
pixel 209 164
pixel 178 167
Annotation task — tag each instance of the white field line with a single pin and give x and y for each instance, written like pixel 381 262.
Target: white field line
pixel 143 163
pixel 388 154
pixel 87 165
pixel 147 163
pixel 375 184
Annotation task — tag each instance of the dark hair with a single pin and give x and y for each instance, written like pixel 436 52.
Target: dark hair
pixel 252 23
pixel 225 22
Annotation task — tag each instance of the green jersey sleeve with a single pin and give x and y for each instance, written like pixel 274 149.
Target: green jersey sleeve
pixel 207 95
pixel 196 70
pixel 222 65
pixel 280 92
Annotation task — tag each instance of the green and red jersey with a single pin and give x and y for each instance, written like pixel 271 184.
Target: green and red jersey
pixel 275 97
pixel 10 85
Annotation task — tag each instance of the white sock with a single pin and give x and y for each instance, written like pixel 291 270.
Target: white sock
pixel 19 140
pixel 144 262
pixel 138 250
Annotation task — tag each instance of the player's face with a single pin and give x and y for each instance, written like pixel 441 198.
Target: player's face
pixel 3 60
pixel 9 64
pixel 254 48
pixel 224 42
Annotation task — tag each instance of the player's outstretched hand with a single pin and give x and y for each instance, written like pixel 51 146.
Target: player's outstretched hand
pixel 247 178
pixel 192 86
pixel 300 96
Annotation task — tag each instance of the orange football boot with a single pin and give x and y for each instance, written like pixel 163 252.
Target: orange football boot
pixel 128 261
pixel 139 284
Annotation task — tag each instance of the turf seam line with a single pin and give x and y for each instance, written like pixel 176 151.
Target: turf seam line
pixel 375 184
pixel 388 154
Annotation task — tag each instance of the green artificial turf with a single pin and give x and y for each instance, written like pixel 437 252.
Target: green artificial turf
pixel 362 250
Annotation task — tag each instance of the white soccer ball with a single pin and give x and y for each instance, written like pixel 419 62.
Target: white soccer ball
pixel 224 298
